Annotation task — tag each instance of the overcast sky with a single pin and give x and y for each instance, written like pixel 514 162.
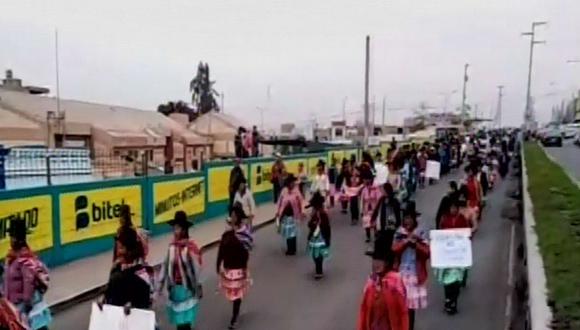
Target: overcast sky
pixel 311 53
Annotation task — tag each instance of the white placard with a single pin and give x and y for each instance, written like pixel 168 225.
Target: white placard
pixel 382 173
pixel 451 248
pixel 113 318
pixel 433 169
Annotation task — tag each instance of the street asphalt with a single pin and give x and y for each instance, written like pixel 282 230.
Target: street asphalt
pixel 568 156
pixel 286 297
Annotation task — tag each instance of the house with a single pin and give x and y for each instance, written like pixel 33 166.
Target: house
pixel 108 131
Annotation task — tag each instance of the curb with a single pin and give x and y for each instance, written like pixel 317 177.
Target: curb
pixel 95 291
pixel 568 173
pixel 539 313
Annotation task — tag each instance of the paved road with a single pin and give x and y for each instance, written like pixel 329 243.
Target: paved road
pixel 286 297
pixel 568 156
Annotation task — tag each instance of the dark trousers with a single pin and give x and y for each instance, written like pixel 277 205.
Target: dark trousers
pixel 276 188
pixel 354 210
pixel 411 319
pixel 236 310
pixel 344 204
pixel 452 294
pixel 318 265
pixel 291 246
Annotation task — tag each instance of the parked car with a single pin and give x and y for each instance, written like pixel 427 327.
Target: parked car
pixel 570 131
pixel 577 138
pixel 552 137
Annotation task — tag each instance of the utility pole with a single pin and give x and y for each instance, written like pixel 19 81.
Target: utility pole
pixel 498 113
pixel 344 108
pixel 464 95
pixel 528 114
pixel 366 116
pixel 384 112
pixel 60 115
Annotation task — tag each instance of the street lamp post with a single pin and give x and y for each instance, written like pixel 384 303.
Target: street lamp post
pixel 528 115
pixel 464 94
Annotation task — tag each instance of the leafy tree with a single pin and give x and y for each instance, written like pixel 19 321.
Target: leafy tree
pixel 202 92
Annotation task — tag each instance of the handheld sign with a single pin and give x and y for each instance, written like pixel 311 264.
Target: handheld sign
pixel 433 169
pixel 451 248
pixel 113 318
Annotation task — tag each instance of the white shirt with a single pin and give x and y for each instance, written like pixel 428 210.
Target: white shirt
pixel 247 201
pixel 321 184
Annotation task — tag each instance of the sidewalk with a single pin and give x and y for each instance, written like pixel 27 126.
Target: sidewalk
pixel 81 279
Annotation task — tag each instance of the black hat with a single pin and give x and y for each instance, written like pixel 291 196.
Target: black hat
pixel 316 201
pixel 129 238
pixel 180 219
pixel 18 229
pixel 321 163
pixel 411 210
pixel 382 249
pixel 238 209
pixel 289 179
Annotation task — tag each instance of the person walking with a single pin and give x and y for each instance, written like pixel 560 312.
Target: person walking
pixel 26 279
pixel 452 278
pixel 320 182
pixel 255 141
pixel 181 272
pixel 126 224
pixel 332 180
pixel 319 233
pixel 411 249
pixel 342 183
pixel 236 178
pixel 131 280
pixel 246 199
pixel 278 176
pixel 289 211
pixel 474 190
pixel 370 196
pixel 232 262
pixel 302 178
pixel 445 202
pixel 388 211
pixel 10 317
pixel 384 305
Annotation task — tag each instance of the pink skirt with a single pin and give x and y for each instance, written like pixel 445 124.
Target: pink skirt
pixel 235 283
pixel 416 294
pixel 366 222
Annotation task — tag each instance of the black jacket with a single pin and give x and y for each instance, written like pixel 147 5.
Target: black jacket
pixel 381 212
pixel 125 286
pixel 320 218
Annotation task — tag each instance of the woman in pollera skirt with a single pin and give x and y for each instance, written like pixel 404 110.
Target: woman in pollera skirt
pixel 181 272
pixel 232 262
pixel 319 235
pixel 370 196
pixel 411 248
pixel 289 211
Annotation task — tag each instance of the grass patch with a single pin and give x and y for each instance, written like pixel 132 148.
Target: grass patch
pixel 556 202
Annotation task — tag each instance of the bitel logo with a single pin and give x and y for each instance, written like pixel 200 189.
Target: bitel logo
pixel 87 212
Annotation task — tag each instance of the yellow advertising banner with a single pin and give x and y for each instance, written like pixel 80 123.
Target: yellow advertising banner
pixel 186 195
pixel 219 182
pixel 95 213
pixel 312 165
pixel 350 152
pixel 36 211
pixel 261 176
pixel 293 165
pixel 338 155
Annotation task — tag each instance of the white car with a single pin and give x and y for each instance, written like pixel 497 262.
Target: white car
pixel 570 131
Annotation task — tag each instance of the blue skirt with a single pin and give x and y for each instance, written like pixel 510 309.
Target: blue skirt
pixel 39 317
pixel 317 248
pixel 182 307
pixel 288 227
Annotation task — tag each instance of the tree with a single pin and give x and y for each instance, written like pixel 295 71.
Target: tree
pixel 202 91
pixel 178 107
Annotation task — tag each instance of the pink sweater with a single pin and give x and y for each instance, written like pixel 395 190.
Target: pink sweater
pixel 292 197
pixel 18 282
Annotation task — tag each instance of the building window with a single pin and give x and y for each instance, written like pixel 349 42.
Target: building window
pixel 338 132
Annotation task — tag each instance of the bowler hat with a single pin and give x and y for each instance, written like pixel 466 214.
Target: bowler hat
pixel 180 219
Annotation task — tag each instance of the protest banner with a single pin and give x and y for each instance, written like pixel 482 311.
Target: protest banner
pixel 433 169
pixel 114 318
pixel 451 248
